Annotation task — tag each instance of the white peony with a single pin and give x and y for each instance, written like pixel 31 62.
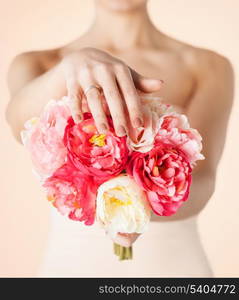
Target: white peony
pixel 122 206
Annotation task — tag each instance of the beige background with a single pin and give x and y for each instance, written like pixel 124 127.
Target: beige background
pixel 33 24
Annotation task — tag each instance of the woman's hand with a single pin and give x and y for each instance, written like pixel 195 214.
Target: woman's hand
pixel 126 239
pixel 118 83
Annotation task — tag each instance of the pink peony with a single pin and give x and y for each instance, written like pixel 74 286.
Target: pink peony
pixel 175 129
pixel 98 155
pixel 165 174
pixel 72 193
pixel 43 137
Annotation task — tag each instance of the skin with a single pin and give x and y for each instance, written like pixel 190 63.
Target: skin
pixel 198 82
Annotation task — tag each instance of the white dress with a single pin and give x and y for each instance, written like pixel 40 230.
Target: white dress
pixel 167 249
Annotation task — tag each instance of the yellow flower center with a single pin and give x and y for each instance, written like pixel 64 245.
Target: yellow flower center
pixel 155 171
pixel 50 198
pixel 111 198
pixel 76 204
pixel 34 121
pixel 98 140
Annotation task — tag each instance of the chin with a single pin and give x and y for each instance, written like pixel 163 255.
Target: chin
pixel 121 5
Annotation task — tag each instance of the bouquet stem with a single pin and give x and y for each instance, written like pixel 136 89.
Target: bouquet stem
pixel 123 253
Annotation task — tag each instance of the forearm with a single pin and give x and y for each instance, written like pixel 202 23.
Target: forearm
pixel 202 189
pixel 29 101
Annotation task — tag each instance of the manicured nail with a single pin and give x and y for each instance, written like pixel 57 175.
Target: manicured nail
pixel 77 119
pixel 138 122
pixel 103 128
pixel 121 131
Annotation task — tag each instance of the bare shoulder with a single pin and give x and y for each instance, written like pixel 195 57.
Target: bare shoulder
pixel 205 63
pixel 41 59
pixel 213 72
pixel 28 65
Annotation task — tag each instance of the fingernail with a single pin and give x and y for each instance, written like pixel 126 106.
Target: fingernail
pixel 77 119
pixel 121 131
pixel 138 122
pixel 103 128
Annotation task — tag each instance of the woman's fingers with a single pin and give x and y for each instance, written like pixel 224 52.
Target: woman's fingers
pixel 92 94
pixel 146 85
pixel 119 83
pixel 75 95
pixel 114 101
pixel 94 101
pixel 131 97
pixel 124 104
pixel 75 105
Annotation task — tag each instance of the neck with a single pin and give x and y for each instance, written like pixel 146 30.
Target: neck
pixel 120 31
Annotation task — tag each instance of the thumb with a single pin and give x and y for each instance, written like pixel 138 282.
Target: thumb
pixel 146 85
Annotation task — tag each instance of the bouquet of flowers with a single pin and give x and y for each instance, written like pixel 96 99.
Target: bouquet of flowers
pixel 118 181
